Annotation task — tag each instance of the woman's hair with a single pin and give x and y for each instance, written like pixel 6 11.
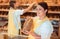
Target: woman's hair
pixel 44 5
pixel 12 4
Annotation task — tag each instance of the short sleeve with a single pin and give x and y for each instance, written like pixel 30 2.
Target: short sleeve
pixel 19 12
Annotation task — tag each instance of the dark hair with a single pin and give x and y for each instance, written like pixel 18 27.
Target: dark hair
pixel 44 5
pixel 12 4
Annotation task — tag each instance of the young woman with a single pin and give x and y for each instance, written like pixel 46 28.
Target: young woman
pixel 42 26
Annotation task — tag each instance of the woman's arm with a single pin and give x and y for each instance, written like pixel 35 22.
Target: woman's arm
pixel 30 7
pixel 35 35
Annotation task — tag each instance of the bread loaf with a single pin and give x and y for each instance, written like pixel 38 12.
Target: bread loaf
pixel 28 25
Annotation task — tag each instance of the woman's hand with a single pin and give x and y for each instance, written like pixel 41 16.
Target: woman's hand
pixel 30 7
pixel 35 35
pixel 25 31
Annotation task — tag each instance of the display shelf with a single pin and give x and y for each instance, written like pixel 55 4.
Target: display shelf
pixel 6 16
pixel 2 23
pixel 4 9
pixel 54 12
pixel 54 19
pixel 4 3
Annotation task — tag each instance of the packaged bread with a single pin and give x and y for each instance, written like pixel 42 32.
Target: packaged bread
pixel 28 24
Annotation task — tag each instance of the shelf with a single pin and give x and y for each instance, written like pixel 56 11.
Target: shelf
pixel 4 16
pixel 4 9
pixel 5 28
pixel 53 4
pixel 55 26
pixel 32 11
pixel 54 18
pixel 53 12
pixel 57 12
pixel 48 4
pixel 4 3
pixel 2 23
pixel 25 4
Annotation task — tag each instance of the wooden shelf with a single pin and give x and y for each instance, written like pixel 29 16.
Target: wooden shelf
pixel 53 4
pixel 53 12
pixel 5 28
pixel 6 16
pixel 4 9
pixel 57 12
pixel 55 26
pixel 54 18
pixel 2 23
pixel 32 11
pixel 48 4
pixel 4 3
pixel 24 4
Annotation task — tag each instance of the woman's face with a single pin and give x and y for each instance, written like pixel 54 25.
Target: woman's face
pixel 40 11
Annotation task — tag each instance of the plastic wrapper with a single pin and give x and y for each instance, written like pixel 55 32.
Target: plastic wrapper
pixel 28 25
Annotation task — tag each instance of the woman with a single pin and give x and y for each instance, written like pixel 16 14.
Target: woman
pixel 14 23
pixel 42 26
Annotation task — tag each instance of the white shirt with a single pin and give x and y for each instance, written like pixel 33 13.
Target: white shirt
pixel 16 18
pixel 45 30
pixel 14 21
